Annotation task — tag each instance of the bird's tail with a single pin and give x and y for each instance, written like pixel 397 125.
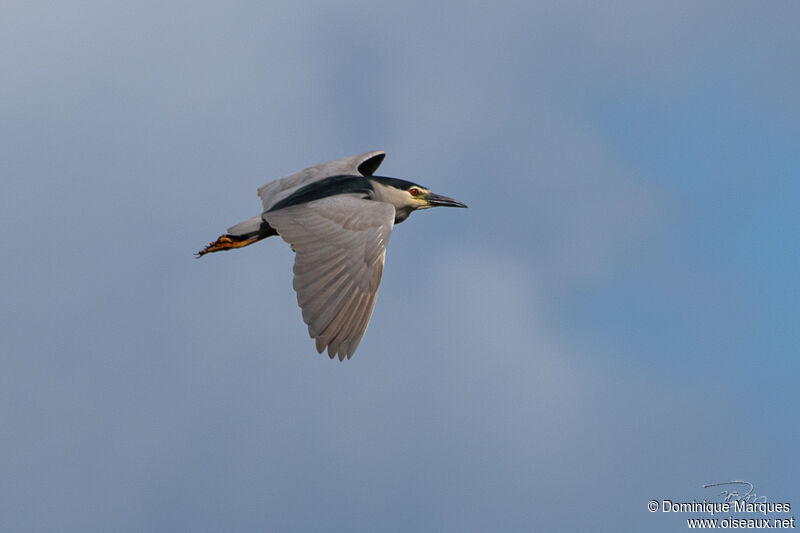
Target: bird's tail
pixel 242 234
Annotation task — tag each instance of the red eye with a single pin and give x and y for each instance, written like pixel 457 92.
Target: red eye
pixel 414 192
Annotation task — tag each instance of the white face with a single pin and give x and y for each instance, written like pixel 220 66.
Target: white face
pixel 414 198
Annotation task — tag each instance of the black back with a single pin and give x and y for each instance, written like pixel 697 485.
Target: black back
pixel 343 184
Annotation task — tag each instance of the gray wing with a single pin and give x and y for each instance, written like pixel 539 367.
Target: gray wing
pixel 364 164
pixel 340 246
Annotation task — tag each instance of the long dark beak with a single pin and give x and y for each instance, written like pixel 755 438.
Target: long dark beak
pixel 436 200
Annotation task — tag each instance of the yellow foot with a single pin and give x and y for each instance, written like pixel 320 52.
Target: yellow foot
pixel 226 242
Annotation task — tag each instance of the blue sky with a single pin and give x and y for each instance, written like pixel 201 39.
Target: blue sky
pixel 612 321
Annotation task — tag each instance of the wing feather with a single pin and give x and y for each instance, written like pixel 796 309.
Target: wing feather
pixel 364 320
pixel 354 330
pixel 337 334
pixel 356 323
pixel 340 247
pixel 320 312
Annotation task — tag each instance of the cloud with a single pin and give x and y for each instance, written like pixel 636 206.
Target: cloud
pixel 147 390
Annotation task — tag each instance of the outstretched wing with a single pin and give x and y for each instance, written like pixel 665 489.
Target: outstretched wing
pixel 340 246
pixel 362 164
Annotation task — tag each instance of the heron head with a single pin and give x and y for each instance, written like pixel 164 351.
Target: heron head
pixel 407 196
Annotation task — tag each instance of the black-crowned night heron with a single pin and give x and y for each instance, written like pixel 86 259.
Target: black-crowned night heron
pixel 338 218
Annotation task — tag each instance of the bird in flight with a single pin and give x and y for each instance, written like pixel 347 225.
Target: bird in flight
pixel 337 216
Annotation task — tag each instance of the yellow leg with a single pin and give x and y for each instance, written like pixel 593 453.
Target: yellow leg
pixel 228 242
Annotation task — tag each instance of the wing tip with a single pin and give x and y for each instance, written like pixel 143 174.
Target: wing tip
pixel 340 352
pixel 370 162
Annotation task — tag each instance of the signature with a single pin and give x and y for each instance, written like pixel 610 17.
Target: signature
pixel 732 492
